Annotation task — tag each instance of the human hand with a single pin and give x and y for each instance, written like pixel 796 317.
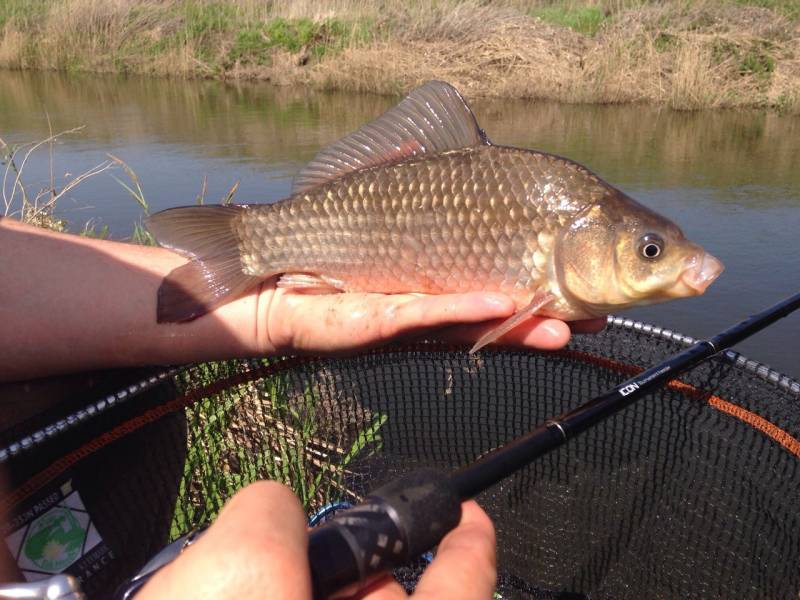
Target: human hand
pixel 257 549
pixel 334 323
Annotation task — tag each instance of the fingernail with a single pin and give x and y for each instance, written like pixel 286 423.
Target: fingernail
pixel 496 300
pixel 553 329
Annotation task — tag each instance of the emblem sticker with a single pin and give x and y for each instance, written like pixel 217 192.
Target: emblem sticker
pixel 57 533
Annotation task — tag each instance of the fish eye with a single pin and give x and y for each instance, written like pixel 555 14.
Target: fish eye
pixel 651 246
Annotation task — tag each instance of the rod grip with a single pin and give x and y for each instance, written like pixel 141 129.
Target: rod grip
pixel 395 524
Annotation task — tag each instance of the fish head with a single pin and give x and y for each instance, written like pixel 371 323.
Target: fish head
pixel 617 254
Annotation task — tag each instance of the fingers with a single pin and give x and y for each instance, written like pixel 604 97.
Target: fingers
pixel 425 312
pixel 346 322
pixel 465 566
pixel 336 323
pixel 536 332
pixel 255 549
pixel 385 588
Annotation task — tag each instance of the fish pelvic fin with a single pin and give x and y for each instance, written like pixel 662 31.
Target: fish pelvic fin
pixel 215 274
pixel 540 300
pixel 310 283
pixel 433 118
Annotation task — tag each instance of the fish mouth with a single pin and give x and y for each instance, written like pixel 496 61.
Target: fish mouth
pixel 700 272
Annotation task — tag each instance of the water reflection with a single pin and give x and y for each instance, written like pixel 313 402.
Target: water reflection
pixel 259 122
pixel 649 146
pixel 629 145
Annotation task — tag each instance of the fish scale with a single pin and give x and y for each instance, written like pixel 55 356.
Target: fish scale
pixel 479 230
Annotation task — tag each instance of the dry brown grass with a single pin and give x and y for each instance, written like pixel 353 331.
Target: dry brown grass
pixel 684 65
pixel 688 55
pixel 10 45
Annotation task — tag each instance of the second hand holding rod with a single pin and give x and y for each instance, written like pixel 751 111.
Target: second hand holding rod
pixel 410 515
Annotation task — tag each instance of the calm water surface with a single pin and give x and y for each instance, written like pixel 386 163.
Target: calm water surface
pixel 730 179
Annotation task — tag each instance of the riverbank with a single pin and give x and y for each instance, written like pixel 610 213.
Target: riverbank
pixel 686 55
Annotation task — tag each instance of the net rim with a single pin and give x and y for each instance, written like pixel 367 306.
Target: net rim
pixel 759 369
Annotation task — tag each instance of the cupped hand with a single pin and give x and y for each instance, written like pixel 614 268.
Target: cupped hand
pixel 338 323
pixel 257 549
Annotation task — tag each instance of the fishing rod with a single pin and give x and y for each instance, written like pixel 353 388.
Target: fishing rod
pixel 411 514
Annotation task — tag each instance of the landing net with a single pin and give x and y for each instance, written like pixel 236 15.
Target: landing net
pixel 694 491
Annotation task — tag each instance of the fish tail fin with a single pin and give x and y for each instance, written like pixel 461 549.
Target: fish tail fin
pixel 214 276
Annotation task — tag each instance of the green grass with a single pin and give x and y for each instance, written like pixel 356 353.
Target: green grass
pixel 789 8
pixel 252 46
pixel 24 12
pixel 36 205
pixel 757 61
pixel 337 34
pixel 583 19
pixel 664 42
pixel 291 34
pixel 204 19
pixel 264 430
pixel 254 42
pixel 242 39
pixel 90 230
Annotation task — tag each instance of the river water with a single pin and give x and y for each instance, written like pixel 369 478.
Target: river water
pixel 731 180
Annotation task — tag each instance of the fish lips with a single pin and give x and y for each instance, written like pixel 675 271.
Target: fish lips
pixel 700 272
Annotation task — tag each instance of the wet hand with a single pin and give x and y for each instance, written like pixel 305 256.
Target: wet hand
pixel 339 323
pixel 257 549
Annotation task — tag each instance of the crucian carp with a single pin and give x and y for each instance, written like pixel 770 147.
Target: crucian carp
pixel 420 200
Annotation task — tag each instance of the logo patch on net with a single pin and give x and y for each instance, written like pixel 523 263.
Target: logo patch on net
pixel 54 540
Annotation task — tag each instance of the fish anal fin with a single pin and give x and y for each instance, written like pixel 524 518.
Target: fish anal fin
pixel 309 283
pixel 199 286
pixel 540 300
pixel 433 118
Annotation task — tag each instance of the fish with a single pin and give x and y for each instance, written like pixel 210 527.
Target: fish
pixel 420 200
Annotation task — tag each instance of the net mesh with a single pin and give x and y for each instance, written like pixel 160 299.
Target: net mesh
pixel 690 492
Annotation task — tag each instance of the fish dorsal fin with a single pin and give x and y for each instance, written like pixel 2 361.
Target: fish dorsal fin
pixel 433 118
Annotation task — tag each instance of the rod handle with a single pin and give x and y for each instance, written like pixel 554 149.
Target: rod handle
pixel 395 524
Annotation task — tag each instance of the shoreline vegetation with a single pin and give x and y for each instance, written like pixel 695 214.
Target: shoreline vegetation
pixel 682 54
pixel 36 204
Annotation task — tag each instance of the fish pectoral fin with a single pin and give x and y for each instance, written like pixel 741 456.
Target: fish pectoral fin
pixel 310 283
pixel 540 299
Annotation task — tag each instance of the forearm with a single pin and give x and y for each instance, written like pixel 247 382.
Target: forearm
pixel 69 303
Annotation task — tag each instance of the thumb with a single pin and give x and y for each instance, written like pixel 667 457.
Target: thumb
pixel 257 548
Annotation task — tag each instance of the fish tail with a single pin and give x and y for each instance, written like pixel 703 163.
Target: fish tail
pixel 214 276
